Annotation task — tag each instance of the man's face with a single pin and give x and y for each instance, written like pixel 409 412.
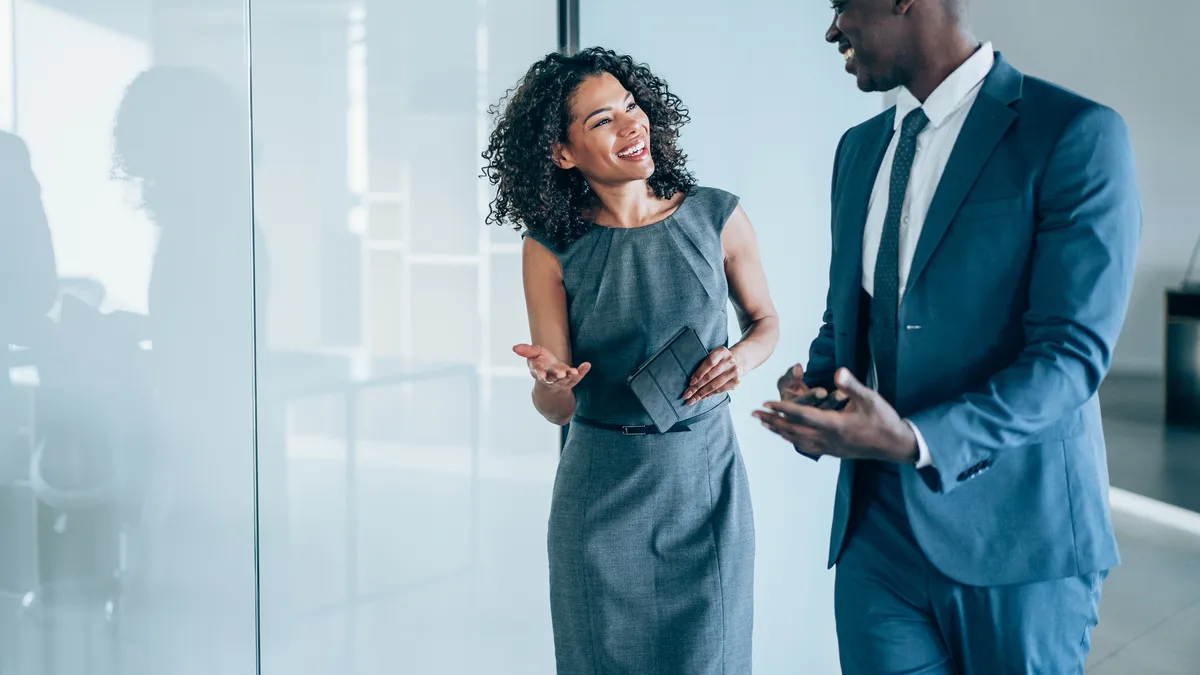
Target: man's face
pixel 872 37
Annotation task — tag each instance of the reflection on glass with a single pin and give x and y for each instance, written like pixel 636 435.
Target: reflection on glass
pixel 177 322
pixel 126 328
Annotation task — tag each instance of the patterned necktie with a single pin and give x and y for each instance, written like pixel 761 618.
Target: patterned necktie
pixel 885 302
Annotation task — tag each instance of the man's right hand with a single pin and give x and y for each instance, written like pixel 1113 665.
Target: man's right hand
pixel 547 369
pixel 792 386
pixel 793 389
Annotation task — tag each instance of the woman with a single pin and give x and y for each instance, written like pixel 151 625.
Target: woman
pixel 651 536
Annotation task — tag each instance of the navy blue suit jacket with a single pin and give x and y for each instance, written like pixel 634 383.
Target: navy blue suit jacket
pixel 1018 290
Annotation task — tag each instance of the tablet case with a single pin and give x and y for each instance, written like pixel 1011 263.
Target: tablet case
pixel 659 383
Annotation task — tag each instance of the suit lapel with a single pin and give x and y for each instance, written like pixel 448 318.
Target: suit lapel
pixel 986 124
pixel 859 179
pixel 863 172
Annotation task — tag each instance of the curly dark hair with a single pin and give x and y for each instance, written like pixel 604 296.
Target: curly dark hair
pixel 534 194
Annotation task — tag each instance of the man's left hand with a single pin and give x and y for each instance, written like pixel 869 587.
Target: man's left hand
pixel 867 428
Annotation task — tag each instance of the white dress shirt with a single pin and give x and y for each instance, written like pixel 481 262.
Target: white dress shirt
pixel 947 109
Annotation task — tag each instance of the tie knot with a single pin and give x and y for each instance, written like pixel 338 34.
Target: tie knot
pixel 914 123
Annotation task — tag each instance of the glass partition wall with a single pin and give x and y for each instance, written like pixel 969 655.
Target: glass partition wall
pixel 404 478
pixel 259 414
pixel 127 416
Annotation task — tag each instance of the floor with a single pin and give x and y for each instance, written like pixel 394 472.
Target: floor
pixel 450 576
pixel 1150 612
pixel 1144 456
pixel 493 615
pixel 451 621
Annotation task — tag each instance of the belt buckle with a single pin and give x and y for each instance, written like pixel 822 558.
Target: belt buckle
pixel 627 431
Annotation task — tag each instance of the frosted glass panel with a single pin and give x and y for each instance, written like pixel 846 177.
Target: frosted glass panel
pixel 404 478
pixel 126 340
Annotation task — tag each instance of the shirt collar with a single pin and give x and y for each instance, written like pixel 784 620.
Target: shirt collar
pixel 952 93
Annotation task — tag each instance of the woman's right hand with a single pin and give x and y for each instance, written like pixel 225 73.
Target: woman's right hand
pixel 546 368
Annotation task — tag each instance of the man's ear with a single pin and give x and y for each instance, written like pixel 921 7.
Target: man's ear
pixel 562 156
pixel 903 6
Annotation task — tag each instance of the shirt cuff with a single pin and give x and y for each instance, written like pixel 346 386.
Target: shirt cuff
pixel 924 459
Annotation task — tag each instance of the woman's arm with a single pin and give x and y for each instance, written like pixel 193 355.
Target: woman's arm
pixel 723 370
pixel 549 357
pixel 748 290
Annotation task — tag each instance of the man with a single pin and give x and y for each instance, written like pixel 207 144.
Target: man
pixel 985 231
pixel 28 273
pixel 28 276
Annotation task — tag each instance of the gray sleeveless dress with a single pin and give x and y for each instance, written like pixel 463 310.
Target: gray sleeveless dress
pixel 651 538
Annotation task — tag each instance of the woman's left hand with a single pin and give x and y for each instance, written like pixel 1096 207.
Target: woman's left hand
pixel 717 374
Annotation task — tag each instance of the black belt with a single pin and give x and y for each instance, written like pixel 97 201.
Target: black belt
pixel 649 429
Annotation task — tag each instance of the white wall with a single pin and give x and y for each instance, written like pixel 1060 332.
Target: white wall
pixel 6 65
pixel 769 101
pixel 1138 58
pixel 78 193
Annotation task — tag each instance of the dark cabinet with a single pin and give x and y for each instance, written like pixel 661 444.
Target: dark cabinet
pixel 1182 357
